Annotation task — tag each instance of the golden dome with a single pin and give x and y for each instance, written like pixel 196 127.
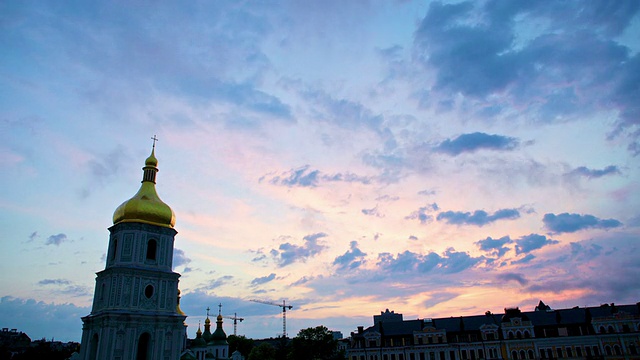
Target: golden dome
pixel 145 206
pixel 207 321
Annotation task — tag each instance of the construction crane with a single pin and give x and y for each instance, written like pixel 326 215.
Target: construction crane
pixel 235 319
pixel 284 307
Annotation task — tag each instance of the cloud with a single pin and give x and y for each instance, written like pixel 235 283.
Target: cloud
pixel 342 112
pixel 215 283
pixel 495 246
pixel 476 141
pixel 179 258
pixel 372 212
pixel 519 278
pixel 263 280
pixel 39 319
pixel 33 236
pixel 352 259
pixel 568 223
pixel 54 282
pixel 572 66
pixel 305 177
pixel 65 287
pixel 450 262
pixel 288 253
pixel 594 174
pixel 422 213
pixel 56 239
pixel 478 218
pixel 531 242
pixel 524 260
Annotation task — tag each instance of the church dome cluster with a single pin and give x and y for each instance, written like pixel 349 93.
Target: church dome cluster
pixel 145 206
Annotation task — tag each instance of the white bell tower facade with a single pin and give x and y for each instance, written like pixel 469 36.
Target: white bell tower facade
pixel 136 306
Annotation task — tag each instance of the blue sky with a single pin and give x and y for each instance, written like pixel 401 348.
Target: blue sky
pixel 433 158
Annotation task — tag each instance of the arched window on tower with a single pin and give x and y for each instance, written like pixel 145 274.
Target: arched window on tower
pixel 102 291
pixel 144 347
pixel 93 347
pixel 114 250
pixel 152 249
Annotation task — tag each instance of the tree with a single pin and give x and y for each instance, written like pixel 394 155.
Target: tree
pixel 314 344
pixel 264 351
pixel 240 343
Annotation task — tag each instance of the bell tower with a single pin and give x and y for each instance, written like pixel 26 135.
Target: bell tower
pixel 136 309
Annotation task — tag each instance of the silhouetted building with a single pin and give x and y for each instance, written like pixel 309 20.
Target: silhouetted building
pixel 604 332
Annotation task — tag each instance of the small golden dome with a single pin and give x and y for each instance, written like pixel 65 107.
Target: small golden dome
pixel 219 318
pixel 145 206
pixel 207 321
pixel 151 160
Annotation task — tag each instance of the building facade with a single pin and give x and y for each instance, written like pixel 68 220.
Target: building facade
pixel 604 332
pixel 136 312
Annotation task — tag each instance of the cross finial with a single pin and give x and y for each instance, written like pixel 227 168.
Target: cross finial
pixel 207 311
pixel 154 138
pixel 220 309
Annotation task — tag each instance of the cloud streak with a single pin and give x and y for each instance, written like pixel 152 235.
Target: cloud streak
pixel 568 223
pixel 469 143
pixel 478 218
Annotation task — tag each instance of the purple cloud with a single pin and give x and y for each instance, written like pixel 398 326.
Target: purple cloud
pixel 594 174
pixel 288 253
pixel 519 278
pixel 263 280
pixel 495 246
pixel 478 218
pixel 351 259
pixel 568 223
pixel 476 141
pixel 531 242
pixel 56 239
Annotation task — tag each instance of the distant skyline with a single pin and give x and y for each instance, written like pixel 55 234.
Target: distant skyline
pixel 433 158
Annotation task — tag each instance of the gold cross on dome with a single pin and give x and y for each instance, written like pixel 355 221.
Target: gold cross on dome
pixel 154 138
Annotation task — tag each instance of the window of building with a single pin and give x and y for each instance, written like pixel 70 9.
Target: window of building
pixel 412 356
pixel 616 350
pixel 511 335
pixel 114 250
pixel 463 353
pixel 610 329
pixel 422 356
pixel 519 335
pixel 632 349
pixel 543 354
pixel 596 351
pixel 531 354
pixel 442 357
pixel 144 344
pixel 607 350
pixel 559 351
pixel 523 355
pixel 550 353
pixel 148 291
pixel 152 249
pixel 93 347
pixel 602 331
pixel 514 355
pixel 481 353
pixel 579 351
pixel 625 328
pixel 452 355
pixel 569 352
pixel 526 334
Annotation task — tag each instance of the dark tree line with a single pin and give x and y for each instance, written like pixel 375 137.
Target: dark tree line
pixel 310 344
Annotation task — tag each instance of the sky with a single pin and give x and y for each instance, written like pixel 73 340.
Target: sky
pixel 434 158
